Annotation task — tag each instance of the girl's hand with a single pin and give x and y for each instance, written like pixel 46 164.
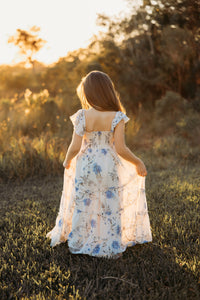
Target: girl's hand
pixel 141 169
pixel 68 165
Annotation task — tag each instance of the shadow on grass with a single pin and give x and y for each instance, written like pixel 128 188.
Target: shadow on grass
pixel 144 272
pixel 164 269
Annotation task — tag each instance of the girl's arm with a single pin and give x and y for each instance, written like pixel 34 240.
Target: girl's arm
pixel 125 152
pixel 73 149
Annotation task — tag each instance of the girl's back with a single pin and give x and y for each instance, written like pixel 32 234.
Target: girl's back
pixel 98 120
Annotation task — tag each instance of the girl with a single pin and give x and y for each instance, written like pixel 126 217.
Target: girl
pixel 103 206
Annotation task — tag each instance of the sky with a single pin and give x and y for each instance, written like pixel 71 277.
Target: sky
pixel 66 25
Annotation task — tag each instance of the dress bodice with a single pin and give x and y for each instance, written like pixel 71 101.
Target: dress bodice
pixel 95 139
pixel 98 139
pixel 78 120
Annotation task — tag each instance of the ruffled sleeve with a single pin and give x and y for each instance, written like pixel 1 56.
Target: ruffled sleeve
pixel 118 117
pixel 78 120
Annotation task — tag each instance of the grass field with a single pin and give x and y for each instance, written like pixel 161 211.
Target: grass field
pixel 167 268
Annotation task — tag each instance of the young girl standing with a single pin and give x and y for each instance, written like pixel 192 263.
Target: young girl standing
pixel 103 206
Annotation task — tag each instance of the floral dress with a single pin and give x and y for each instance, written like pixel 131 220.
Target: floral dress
pixel 103 207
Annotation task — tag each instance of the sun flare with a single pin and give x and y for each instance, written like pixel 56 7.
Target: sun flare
pixel 65 25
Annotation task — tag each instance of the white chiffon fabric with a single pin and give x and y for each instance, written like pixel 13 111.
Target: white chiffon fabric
pixel 103 207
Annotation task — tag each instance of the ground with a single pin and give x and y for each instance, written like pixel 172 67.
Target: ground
pixel 167 268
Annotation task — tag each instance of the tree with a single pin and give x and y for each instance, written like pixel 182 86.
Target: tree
pixel 159 43
pixel 28 42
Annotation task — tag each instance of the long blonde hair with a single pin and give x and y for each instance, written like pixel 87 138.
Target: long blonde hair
pixel 96 89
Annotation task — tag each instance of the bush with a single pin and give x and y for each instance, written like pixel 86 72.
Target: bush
pixel 171 105
pixel 175 115
pixel 188 126
pixel 176 147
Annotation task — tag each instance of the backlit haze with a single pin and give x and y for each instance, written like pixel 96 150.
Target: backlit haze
pixel 66 25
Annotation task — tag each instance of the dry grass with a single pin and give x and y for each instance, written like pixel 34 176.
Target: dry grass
pixel 167 268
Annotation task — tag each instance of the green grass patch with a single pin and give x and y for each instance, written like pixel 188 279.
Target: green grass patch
pixel 167 268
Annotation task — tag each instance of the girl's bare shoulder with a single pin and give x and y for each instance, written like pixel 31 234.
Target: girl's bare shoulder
pixel 99 120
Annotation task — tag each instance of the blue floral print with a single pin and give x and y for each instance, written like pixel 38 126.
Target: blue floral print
pixel 87 201
pixel 97 168
pixel 118 229
pixel 115 245
pixel 96 249
pixel 109 194
pixel 108 213
pixel 103 205
pixel 104 151
pixel 70 235
pixel 93 223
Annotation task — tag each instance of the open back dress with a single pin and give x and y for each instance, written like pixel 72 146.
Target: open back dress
pixel 103 207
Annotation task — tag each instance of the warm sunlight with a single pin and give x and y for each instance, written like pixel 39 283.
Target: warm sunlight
pixel 65 25
pixel 99 149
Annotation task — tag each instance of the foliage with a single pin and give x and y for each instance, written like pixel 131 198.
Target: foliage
pixel 171 105
pixel 175 116
pixel 146 53
pixel 159 44
pixel 28 42
pixel 35 131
